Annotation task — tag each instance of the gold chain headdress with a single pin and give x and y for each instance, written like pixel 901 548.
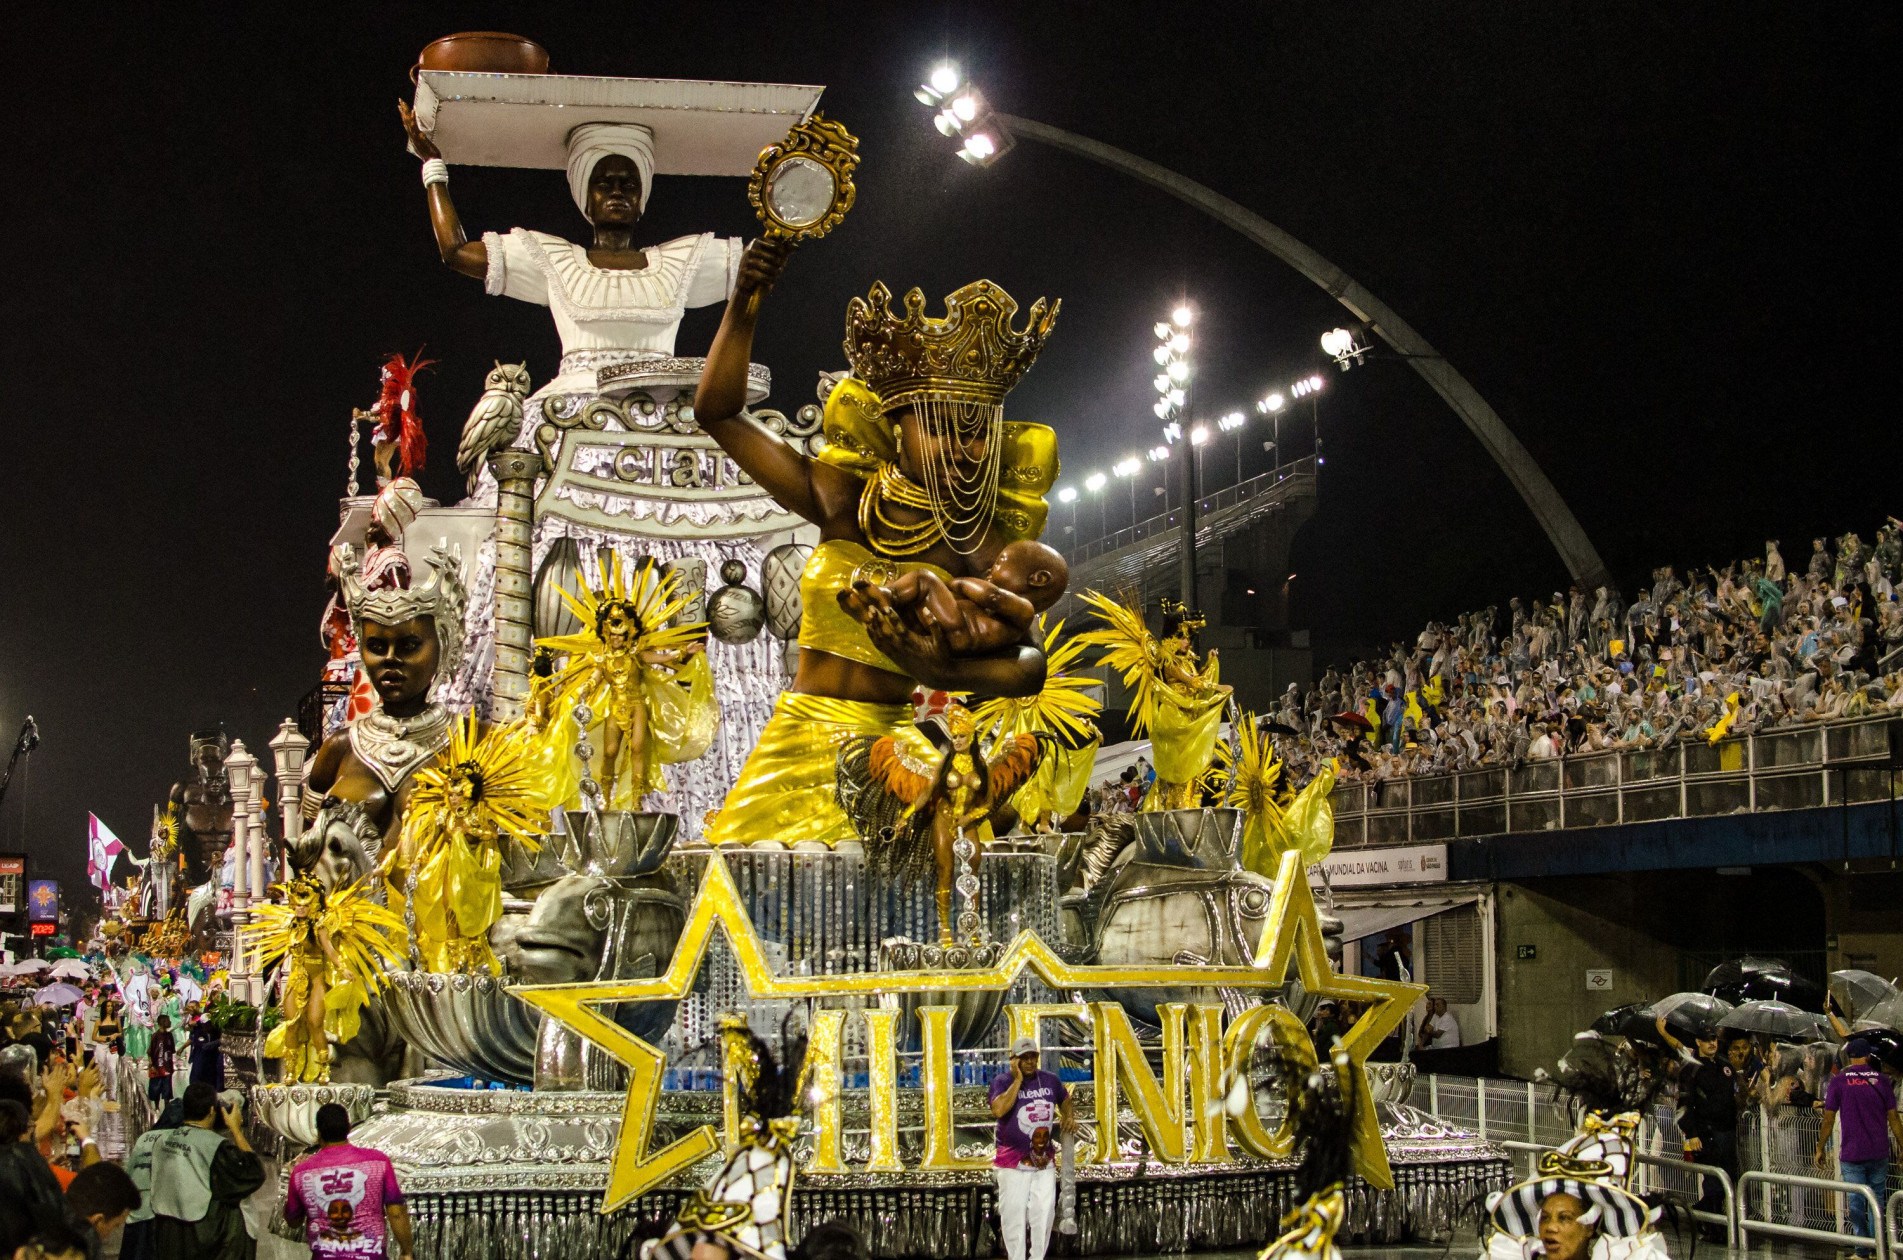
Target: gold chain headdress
pixel 953 373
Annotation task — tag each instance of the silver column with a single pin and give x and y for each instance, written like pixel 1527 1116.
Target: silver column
pixel 515 473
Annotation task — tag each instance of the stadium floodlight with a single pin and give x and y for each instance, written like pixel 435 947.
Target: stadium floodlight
pixel 941 83
pixel 1095 482
pixel 1067 494
pixel 980 148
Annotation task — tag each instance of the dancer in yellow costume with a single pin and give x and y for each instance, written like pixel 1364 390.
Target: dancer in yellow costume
pixel 644 680
pixel 920 471
pixel 1177 700
pixel 489 784
pixel 334 950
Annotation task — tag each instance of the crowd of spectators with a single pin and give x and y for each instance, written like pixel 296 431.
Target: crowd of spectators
pixel 1752 646
pixel 72 1186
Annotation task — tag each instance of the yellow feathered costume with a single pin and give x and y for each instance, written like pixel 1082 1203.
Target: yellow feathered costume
pixel 334 949
pixel 628 654
pixel 1062 709
pixel 1271 828
pixel 485 785
pixel 1175 699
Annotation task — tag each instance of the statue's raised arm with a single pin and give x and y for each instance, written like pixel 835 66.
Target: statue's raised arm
pixel 800 483
pixel 458 251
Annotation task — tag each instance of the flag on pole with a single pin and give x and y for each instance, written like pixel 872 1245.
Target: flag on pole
pixel 101 848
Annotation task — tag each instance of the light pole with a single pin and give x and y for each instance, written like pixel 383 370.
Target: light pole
pixel 1198 438
pixel 1068 497
pixel 1095 484
pixel 1160 456
pixel 1232 423
pixel 1126 470
pixel 1172 386
pixel 1272 408
pixel 987 135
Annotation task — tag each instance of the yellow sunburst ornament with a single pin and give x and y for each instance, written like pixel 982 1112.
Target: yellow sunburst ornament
pixel 486 785
pixel 1063 709
pixel 643 679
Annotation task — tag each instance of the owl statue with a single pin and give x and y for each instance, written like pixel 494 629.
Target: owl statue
pixel 495 420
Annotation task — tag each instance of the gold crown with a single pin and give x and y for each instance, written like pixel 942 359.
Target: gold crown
pixel 971 355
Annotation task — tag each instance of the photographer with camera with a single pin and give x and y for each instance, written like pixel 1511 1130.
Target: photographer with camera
pixel 200 1180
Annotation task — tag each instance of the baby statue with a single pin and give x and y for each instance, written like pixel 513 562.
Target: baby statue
pixel 979 615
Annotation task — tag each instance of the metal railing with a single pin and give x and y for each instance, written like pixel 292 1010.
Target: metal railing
pixel 1219 515
pixel 1527 1118
pixel 1799 767
pixel 1728 1218
pixel 1749 1225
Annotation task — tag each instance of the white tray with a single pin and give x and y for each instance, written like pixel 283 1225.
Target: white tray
pixel 523 120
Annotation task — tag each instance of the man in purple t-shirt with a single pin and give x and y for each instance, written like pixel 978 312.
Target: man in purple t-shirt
pixel 1031 1106
pixel 346 1195
pixel 1861 1095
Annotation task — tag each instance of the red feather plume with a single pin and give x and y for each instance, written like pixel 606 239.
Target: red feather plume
pixel 395 410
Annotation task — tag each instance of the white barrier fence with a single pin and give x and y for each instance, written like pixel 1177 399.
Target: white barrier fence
pixel 1780 1189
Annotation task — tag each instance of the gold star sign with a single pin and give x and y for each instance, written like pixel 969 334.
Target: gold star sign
pixel 1291 933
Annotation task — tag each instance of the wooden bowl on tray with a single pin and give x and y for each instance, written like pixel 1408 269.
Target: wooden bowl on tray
pixel 483 52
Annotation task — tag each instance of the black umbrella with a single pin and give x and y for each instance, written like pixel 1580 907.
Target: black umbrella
pixel 1886 1044
pixel 1857 991
pixel 1777 1019
pixel 1688 1014
pixel 1752 979
pixel 1634 1022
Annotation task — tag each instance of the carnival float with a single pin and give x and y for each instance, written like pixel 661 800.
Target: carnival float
pixel 702 728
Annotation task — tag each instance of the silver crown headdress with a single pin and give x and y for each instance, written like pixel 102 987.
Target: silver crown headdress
pixel 439 596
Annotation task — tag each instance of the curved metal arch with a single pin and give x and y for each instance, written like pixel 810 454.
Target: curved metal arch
pixel 1561 526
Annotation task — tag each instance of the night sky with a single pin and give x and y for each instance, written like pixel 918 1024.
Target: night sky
pixel 1654 237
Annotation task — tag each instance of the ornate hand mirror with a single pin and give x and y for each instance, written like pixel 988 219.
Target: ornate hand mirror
pixel 802 186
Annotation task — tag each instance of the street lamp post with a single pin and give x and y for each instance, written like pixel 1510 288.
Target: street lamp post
pixel 1068 497
pixel 1126 470
pixel 1174 403
pixel 1095 484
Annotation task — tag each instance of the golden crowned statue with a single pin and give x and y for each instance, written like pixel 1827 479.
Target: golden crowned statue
pixel 920 473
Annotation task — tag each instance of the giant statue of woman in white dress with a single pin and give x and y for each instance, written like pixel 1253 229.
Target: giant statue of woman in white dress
pixel 630 472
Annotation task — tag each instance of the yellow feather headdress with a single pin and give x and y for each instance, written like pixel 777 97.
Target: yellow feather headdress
pixel 648 594
pixel 1063 707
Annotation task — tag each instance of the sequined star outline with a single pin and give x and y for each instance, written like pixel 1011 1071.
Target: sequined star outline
pixel 1292 932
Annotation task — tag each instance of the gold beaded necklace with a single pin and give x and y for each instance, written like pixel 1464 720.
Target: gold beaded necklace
pixel 897 538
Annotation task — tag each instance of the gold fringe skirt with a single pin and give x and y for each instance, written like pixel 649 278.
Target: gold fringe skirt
pixel 785 791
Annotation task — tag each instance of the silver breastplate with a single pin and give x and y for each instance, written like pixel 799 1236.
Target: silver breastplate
pixel 393 748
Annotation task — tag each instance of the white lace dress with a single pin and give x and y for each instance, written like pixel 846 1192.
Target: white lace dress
pixel 607 317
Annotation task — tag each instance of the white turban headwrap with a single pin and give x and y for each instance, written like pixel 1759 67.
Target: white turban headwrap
pixel 396 506
pixel 591 142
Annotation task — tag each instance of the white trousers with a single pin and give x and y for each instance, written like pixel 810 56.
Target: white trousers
pixel 1027 1202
